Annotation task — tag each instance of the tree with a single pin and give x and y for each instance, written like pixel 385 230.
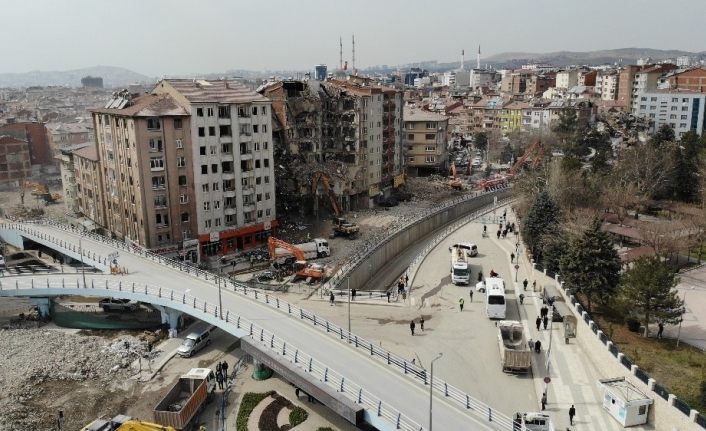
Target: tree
pixel 684 178
pixel 481 141
pixel 568 122
pixel 648 288
pixel 591 265
pixel 664 134
pixel 646 167
pixel 554 246
pixel 541 217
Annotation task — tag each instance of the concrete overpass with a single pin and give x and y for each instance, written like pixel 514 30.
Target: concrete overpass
pixel 356 378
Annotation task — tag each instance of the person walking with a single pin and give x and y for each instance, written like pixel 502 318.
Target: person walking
pixel 537 346
pixel 572 413
pixel 331 298
pixel 538 322
pixel 219 367
pixel 544 401
pixel 460 303
pixel 219 379
pixel 499 232
pixel 543 311
pixel 470 291
pixel 545 321
pixel 534 286
pixel 388 296
pixel 480 276
pixel 524 284
pixel 421 322
pixel 512 257
pixel 224 368
pixel 660 330
pixel 411 326
pixel 522 298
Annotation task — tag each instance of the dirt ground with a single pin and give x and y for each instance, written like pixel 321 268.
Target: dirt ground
pixel 10 205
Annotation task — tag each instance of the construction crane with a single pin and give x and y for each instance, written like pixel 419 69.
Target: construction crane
pixel 535 147
pixel 454 182
pixel 325 180
pixel 301 267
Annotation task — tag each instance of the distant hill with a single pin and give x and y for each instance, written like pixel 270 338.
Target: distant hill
pixel 112 77
pixel 565 58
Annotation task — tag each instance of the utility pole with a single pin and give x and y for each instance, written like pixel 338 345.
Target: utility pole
pixel 83 267
pixel 349 305
pixel 549 348
pixel 220 301
pixel 431 387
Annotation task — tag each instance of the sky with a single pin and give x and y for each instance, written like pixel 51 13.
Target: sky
pixel 171 37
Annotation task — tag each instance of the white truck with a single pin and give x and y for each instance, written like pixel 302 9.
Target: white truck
pixel 515 354
pixel 316 248
pixel 460 271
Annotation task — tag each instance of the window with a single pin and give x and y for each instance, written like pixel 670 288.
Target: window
pixel 177 123
pixel 209 112
pixel 216 205
pixel 430 159
pixel 179 143
pixel 263 110
pixel 267 179
pixel 182 180
pixel 214 168
pixel 431 125
pixel 160 201
pixel 682 125
pixel 674 117
pixel 411 159
pixel 430 136
pixel 158 182
pixel 410 137
pixel 684 108
pixel 257 146
pixel 181 161
pixel 162 219
pixel 264 128
pixel 213 149
pixel 155 144
pixel 202 131
pixel 684 117
pixel 207 206
pixel 266 162
pixel 224 111
pixel 199 112
pixel 259 213
pixel 685 99
pixel 267 212
pixel 255 128
pixel 211 130
pixel 258 180
pixel 184 217
pixel 224 131
pixel 653 107
pixel 183 198
pixel 218 221
pixel 267 196
pixel 202 150
pixel 157 163
pixel 430 148
pixel 227 167
pixel 204 169
pixel 254 110
pixel 674 108
pixel 204 188
pixel 258 198
pixel 257 164
pixel 207 224
pixel 242 112
pixel 653 99
pixel 153 124
pixel 675 99
pixel 264 145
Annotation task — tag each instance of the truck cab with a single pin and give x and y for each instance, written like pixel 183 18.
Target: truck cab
pixel 322 247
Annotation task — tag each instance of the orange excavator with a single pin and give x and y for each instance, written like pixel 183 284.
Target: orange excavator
pixel 454 182
pixel 535 149
pixel 301 267
pixel 324 178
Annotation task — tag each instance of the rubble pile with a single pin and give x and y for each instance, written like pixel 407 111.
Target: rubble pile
pixel 35 359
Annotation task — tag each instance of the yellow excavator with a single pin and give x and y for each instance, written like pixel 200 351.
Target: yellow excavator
pixel 39 190
pixel 124 423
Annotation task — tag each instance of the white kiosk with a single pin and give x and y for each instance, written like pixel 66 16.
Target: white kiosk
pixel 627 404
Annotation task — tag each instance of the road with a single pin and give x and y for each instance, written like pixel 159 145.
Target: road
pixel 354 365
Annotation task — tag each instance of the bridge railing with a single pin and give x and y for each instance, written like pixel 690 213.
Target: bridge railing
pixel 233 321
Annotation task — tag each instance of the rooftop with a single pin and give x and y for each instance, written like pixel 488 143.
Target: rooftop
pixel 419 115
pixel 213 91
pixel 146 105
pixel 89 152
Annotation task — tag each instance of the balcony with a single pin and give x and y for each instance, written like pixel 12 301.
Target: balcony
pixel 249 207
pixel 248 190
pixel 231 210
pixel 230 175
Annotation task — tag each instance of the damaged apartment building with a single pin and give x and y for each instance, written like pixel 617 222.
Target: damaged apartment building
pixel 338 145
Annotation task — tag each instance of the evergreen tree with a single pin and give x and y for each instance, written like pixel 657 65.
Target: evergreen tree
pixel 542 216
pixel 481 141
pixel 568 122
pixel 591 265
pixel 684 178
pixel 664 135
pixel 648 289
pixel 554 246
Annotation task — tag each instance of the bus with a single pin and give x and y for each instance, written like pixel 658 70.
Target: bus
pixel 495 298
pixel 460 270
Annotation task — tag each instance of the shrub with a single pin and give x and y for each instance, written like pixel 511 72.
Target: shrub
pixel 297 416
pixel 247 405
pixel 633 324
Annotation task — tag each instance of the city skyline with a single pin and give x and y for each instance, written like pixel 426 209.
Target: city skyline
pixel 220 35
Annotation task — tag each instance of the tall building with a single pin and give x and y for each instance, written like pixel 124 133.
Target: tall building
pixel 692 79
pixel 682 110
pixel 145 155
pixel 646 80
pixel 425 139
pixel 15 163
pixel 607 85
pixel 230 131
pixel 87 199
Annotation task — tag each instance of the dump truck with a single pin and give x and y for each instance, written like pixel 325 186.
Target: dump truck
pixel 515 354
pixel 186 399
pixel 342 227
pixel 318 247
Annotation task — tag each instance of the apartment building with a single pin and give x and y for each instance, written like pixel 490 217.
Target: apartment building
pixel 145 154
pixel 36 136
pixel 682 110
pixel 692 79
pixel 231 154
pixel 607 85
pixel 426 141
pixel 68 177
pixel 63 135
pixel 87 196
pixel 567 78
pixel 646 80
pixel 15 162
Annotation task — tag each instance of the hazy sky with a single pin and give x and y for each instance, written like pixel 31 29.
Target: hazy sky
pixel 157 37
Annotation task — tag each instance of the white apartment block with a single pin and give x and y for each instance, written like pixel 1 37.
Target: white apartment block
pixel 231 133
pixel 567 79
pixel 682 110
pixel 607 85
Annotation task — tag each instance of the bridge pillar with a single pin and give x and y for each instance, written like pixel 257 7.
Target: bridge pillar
pixel 262 371
pixel 43 305
pixel 170 316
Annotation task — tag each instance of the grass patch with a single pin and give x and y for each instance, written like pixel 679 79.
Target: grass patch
pixel 297 416
pixel 247 405
pixel 660 359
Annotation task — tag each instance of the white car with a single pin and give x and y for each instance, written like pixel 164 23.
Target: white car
pixel 471 249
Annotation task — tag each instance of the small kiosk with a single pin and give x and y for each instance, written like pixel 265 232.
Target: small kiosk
pixel 627 404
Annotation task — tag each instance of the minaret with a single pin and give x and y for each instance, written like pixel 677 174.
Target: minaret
pixel 353 53
pixel 340 52
pixel 462 54
pixel 478 58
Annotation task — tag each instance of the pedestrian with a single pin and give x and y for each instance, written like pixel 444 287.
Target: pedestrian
pixel 538 322
pixel 522 298
pixel 219 379
pixel 505 213
pixel 219 367
pixel 660 330
pixel 544 401
pixel 537 346
pixel 504 233
pixel 400 286
pixel 331 298
pixel 480 276
pixel 411 326
pixel 545 321
pixel 572 413
pixel 471 293
pixel 544 311
pixel 460 303
pixel 406 279
pixel 513 226
pixel 499 232
pixel 524 284
pixel 224 367
pixel 534 286
pixel 388 296
pixel 421 322
pixel 512 257
pixel 500 226
pixel 353 292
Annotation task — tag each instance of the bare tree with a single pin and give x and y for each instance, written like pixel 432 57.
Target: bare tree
pixel 645 167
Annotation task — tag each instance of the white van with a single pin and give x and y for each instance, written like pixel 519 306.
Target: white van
pixel 195 341
pixel 495 298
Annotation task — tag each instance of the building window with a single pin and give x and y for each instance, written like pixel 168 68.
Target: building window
pixel 682 125
pixel 258 197
pixel 264 145
pixel 267 196
pixel 267 179
pixel 153 124
pixel 254 110
pixel 230 219
pixel 162 219
pixel 264 128
pixel 431 125
pixel 674 99
pixel 204 188
pixel 207 206
pixel 183 198
pixel 242 112
pixel 674 108
pixel 268 212
pixel 182 180
pixel 430 149
pixel 180 162
pixel 216 205
pixel 207 224
pixel 430 136
pixel 184 217
pixel 199 112
pixel 259 213
pixel 218 221
pixel 684 108
pixel 160 201
pixel 204 169
pixel 263 110
pixel 255 128
pixel 155 144
pixel 411 159
pixel 179 143
pixel 226 148
pixel 202 131
pixel 674 117
pixel 266 162
pixel 214 168
pixel 158 182
pixel 410 137
pixel 257 164
pixel 224 111
pixel 157 163
pixel 215 187
pixel 211 130
pixel 224 131
pixel 209 112
pixel 213 149
pixel 430 159
pixel 177 123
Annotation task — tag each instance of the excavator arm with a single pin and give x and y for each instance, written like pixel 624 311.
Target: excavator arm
pixel 274 243
pixel 321 176
pixel 516 167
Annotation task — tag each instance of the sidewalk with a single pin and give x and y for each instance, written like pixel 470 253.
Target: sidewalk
pixel 574 373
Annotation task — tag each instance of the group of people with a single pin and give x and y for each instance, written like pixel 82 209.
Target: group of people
pixel 222 374
pixel 412 325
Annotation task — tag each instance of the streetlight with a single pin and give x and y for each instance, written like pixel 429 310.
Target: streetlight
pixel 549 348
pixel 83 268
pixel 349 306
pixel 220 301
pixel 682 316
pixel 431 386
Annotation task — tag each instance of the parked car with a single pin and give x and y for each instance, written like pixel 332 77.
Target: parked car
pixel 115 304
pixel 197 339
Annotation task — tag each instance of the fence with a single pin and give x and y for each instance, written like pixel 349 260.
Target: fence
pixel 476 407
